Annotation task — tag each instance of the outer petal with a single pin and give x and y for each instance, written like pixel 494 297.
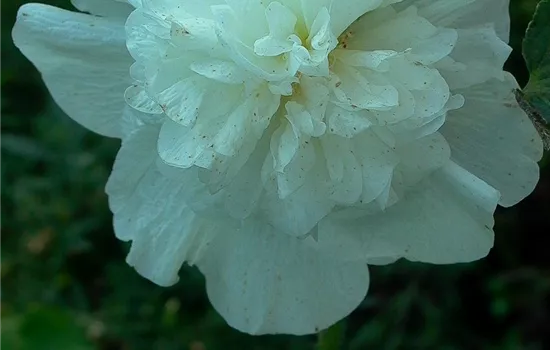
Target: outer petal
pixel 464 13
pixel 447 218
pixel 263 281
pixel 150 210
pixel 299 212
pixel 344 13
pixel 479 54
pixel 493 138
pixel 136 158
pixel 83 60
pixel 108 8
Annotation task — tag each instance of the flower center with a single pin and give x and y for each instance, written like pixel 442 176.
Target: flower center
pixel 301 49
pixel 319 100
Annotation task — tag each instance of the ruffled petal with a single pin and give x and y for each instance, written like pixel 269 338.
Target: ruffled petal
pixel 479 55
pixel 263 281
pixel 493 138
pixel 343 14
pixel 83 61
pixel 447 218
pixel 300 210
pixel 134 160
pixel 150 210
pixel 465 13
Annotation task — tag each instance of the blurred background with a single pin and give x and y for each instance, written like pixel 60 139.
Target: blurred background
pixel 65 284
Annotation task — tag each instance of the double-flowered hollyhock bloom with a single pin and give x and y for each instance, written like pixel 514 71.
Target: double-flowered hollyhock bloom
pixel 282 146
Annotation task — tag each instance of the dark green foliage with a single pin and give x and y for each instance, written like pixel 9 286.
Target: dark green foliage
pixel 65 284
pixel 536 50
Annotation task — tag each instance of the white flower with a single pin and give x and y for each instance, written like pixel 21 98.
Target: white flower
pixel 280 146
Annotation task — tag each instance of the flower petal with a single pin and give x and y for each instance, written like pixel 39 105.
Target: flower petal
pixel 479 55
pixel 344 169
pixel 108 8
pixel 422 157
pixel 464 13
pixel 263 281
pixel 298 212
pixel 169 233
pixel 377 161
pixel 83 61
pixel 343 14
pixel 150 210
pixel 134 160
pixel 447 218
pixel 493 139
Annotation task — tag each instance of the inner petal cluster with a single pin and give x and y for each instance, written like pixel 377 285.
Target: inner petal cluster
pixel 305 50
pixel 305 102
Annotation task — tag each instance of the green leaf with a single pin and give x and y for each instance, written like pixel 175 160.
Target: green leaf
pixel 536 50
pixel 332 338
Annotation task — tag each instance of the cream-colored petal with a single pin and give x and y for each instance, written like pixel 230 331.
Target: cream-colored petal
pixel 447 218
pixel 493 138
pixel 465 13
pixel 265 282
pixel 83 61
